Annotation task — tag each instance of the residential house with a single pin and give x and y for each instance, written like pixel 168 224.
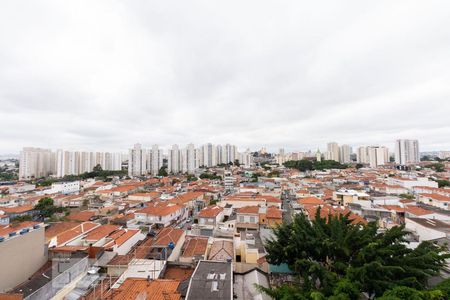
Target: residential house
pixel 210 216
pixel 436 200
pixel 162 215
pixel 168 244
pixel 221 250
pixel 194 249
pixel 247 217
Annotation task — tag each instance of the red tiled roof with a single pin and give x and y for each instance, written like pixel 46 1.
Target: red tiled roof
pixel 437 197
pixel 327 210
pixel 210 211
pixel 17 209
pixel 248 210
pixel 186 197
pixel 195 246
pixel 418 211
pixel 101 232
pixel 167 235
pixel 70 234
pixel 159 289
pixel 82 216
pixel 6 229
pixel 273 213
pixel 160 210
pixel 310 201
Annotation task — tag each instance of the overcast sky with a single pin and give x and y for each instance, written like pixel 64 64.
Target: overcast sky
pixel 103 75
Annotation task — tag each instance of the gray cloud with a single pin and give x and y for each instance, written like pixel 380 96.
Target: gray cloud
pixel 103 75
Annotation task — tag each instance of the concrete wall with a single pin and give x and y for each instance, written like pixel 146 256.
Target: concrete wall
pixel 50 289
pixel 20 257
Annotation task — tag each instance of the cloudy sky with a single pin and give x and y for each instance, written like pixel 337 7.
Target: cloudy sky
pixel 102 75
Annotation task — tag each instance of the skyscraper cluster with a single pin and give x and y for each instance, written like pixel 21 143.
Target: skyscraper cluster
pixel 37 162
pixel 143 161
pixel 373 155
pixel 338 153
pixel 79 162
pixel 184 160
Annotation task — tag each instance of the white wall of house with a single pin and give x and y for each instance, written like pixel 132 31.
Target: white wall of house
pixel 424 233
pixel 434 216
pixel 177 250
pixel 161 220
pixel 436 203
pixel 247 218
pixel 65 187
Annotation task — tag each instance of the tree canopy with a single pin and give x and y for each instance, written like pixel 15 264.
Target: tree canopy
pixel 438 167
pixel 210 176
pixel 443 183
pixel 336 259
pixel 309 165
pixel 46 207
pixel 162 171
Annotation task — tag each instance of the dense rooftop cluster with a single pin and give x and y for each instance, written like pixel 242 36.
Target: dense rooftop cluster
pixel 180 236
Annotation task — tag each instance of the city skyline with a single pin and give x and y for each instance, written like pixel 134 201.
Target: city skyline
pixel 166 148
pixel 106 75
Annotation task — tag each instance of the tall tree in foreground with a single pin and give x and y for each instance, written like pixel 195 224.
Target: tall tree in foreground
pixel 334 258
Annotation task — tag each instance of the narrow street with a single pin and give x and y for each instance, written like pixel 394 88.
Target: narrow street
pixel 286 197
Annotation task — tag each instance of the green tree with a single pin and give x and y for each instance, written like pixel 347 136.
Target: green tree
pixel 301 165
pixel 46 207
pixel 163 171
pixel 191 177
pixel 308 165
pixel 210 176
pixel 438 167
pixel 333 257
pixel 407 196
pixel 404 292
pixel 97 168
pixel 443 183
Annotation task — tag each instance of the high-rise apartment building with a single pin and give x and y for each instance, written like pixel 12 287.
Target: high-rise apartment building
pixel 378 156
pixel 230 153
pixel 332 151
pixel 362 156
pixel 281 157
pixel 344 154
pixel 137 161
pixel 209 155
pixel 189 161
pixel 155 160
pixel 406 152
pixel 35 163
pixel 246 158
pixel 373 155
pixel 174 160
pixel 76 162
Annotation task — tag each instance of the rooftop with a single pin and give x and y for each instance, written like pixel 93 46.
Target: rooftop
pixel 211 280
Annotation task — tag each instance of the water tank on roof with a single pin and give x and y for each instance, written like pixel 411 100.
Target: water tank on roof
pixel 171 245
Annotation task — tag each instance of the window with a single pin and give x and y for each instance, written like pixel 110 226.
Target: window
pixel 252 219
pixel 241 219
